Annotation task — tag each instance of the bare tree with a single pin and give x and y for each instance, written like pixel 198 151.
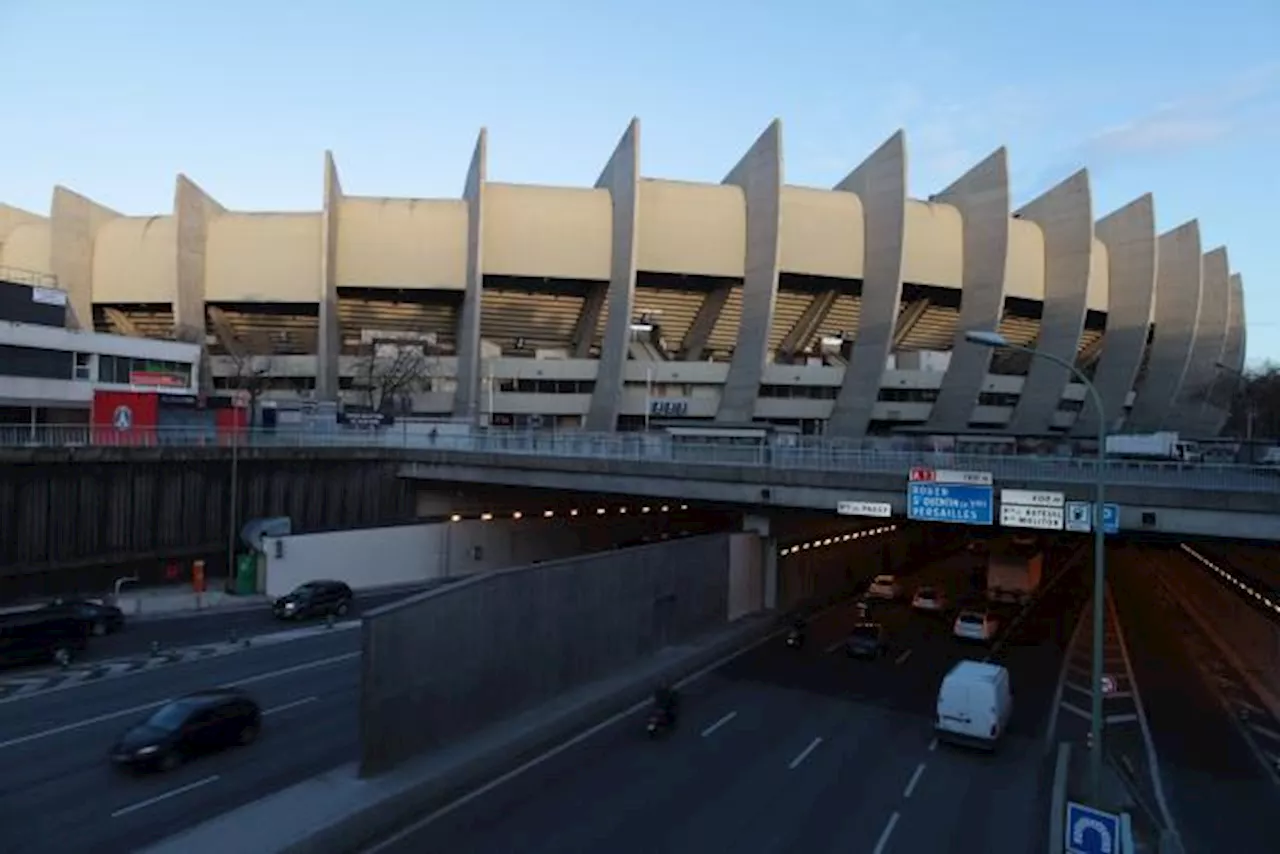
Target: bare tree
pixel 391 372
pixel 250 374
pixel 1255 407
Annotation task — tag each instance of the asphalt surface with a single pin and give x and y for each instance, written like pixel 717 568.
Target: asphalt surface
pixel 1221 797
pixel 786 750
pixel 59 793
pixel 216 625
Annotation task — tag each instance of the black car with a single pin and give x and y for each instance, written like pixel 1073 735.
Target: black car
pixel 37 637
pixel 103 619
pixel 867 640
pixel 314 599
pixel 187 727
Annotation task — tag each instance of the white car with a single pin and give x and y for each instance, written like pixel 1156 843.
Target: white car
pixel 975 626
pixel 929 599
pixel 884 587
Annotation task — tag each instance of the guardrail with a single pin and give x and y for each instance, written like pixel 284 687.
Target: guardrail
pixel 807 454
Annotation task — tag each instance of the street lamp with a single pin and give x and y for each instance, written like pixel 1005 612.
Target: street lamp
pixel 995 339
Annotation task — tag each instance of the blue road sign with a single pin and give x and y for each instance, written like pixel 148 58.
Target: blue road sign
pixel 1092 831
pixel 1111 518
pixel 949 502
pixel 1079 512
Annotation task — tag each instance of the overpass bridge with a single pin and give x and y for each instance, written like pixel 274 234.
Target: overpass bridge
pixel 1191 499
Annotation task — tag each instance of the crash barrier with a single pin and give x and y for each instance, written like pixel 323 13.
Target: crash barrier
pixel 442 665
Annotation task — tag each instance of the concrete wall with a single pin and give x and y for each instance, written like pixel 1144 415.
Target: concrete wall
pixel 746 575
pixel 449 662
pixel 405 554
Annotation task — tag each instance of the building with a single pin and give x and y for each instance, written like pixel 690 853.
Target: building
pixel 833 310
pixel 50 374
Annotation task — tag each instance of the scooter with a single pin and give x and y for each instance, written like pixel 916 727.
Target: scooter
pixel 660 723
pixel 795 638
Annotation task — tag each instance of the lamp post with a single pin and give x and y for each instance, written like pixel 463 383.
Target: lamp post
pixel 996 340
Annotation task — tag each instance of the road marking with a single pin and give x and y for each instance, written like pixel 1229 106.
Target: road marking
pixel 1076 710
pixel 287 706
pixel 886 833
pixel 933 745
pixel 1265 732
pixel 133 710
pixel 905 655
pixel 1122 719
pixel 915 778
pixel 804 754
pixel 715 726
pixel 181 790
pixel 835 646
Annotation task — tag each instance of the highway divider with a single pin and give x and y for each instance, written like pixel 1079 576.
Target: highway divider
pixel 338 812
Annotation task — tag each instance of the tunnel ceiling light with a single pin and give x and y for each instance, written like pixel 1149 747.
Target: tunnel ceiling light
pixel 684 506
pixel 644 509
pixel 573 512
pixel 666 508
pixel 601 512
pixel 547 514
pixel 517 515
pixel 456 517
pixel 622 510
pixel 485 517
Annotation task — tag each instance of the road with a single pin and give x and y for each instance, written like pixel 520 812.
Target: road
pixel 1221 797
pixel 785 750
pixel 58 793
pixel 216 625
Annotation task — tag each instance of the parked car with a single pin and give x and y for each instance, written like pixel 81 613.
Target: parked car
pixel 314 599
pixel 885 587
pixel 39 637
pixel 867 640
pixel 187 727
pixel 103 619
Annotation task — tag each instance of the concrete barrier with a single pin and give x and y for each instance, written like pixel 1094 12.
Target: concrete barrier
pixel 339 812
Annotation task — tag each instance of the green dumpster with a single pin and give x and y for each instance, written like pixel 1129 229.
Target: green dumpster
pixel 246 574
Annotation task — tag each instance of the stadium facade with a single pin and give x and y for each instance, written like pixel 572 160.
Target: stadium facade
pixel 840 311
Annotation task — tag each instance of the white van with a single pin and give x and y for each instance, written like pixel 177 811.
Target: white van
pixel 974 704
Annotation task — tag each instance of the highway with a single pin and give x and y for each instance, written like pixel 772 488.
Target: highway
pixel 1221 796
pixel 58 792
pixel 786 750
pixel 216 625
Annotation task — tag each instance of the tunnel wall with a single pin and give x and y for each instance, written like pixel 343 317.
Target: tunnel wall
pixel 822 574
pixel 74 525
pixel 449 662
pixel 370 557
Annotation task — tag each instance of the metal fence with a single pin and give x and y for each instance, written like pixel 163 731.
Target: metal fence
pixel 807 453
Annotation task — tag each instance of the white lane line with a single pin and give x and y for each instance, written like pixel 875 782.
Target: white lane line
pixel 835 646
pixel 804 754
pixel 1127 718
pixel 933 745
pixel 287 706
pixel 715 726
pixel 886 833
pixel 1264 731
pixel 915 778
pixel 905 655
pixel 1075 710
pixel 173 793
pixel 133 710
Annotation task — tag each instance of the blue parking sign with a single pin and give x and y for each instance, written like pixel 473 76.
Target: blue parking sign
pixel 1092 831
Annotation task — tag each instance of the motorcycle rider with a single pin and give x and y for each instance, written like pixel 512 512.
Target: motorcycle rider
pixel 666 700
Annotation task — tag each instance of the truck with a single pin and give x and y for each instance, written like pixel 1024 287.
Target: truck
pixel 1012 576
pixel 1165 445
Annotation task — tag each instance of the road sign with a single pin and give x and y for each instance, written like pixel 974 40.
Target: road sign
pixel 1078 517
pixel 927 475
pixel 1027 498
pixel 1024 516
pixel 879 509
pixel 1092 831
pixel 960 503
pixel 122 418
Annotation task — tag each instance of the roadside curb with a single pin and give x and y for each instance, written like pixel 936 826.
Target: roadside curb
pixel 45 681
pixel 360 812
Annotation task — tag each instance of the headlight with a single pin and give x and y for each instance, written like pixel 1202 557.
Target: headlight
pixel 147 751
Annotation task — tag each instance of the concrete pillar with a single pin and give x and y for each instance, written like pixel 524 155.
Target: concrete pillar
pixel 880 183
pixel 1130 237
pixel 76 222
pixel 759 525
pixel 1065 217
pixel 329 339
pixel 466 400
pixel 1179 278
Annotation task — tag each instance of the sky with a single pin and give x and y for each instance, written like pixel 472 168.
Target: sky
pixel 1177 98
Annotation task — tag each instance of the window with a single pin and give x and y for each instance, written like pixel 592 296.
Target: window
pixel 123 370
pixel 84 365
pixel 36 363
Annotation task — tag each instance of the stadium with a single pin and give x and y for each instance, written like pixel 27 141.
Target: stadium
pixel 836 311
